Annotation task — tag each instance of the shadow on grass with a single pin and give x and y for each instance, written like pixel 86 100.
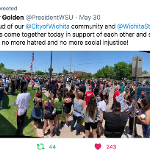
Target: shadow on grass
pixel 6 102
pixel 6 128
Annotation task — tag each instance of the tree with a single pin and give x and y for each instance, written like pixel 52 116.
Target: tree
pixel 19 71
pixel 129 71
pixel 111 72
pixel 121 69
pixel 40 73
pixel 99 74
pixel 88 75
pixel 1 65
pixel 145 72
pixel 106 71
pixel 82 73
pixel 3 70
pixel 66 71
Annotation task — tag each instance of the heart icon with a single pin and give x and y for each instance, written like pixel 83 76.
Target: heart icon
pixel 98 146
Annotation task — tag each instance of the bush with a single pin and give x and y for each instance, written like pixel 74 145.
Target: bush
pixel 146 82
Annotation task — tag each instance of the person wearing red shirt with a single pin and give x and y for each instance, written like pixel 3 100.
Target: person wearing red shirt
pixel 88 95
pixel 117 93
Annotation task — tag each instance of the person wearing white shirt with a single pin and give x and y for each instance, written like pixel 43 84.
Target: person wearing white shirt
pixel 101 105
pixel 23 104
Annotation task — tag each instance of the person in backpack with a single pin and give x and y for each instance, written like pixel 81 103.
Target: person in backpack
pixel 37 111
pixel 49 107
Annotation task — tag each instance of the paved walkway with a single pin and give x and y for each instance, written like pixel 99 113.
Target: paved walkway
pixel 66 133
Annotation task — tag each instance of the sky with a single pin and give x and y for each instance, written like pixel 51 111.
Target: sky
pixel 87 61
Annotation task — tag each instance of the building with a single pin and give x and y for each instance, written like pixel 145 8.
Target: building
pixel 77 73
pixel 144 77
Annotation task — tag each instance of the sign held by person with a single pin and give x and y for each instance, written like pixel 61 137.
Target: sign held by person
pixel 123 104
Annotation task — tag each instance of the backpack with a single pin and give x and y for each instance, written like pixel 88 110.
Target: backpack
pixel 37 104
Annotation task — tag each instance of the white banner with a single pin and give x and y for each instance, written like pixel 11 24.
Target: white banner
pixel 124 105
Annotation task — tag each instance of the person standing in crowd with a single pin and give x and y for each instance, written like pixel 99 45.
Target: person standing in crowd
pixel 90 114
pixel 88 95
pixel 102 86
pixel 107 90
pixel 145 121
pixel 23 84
pixel 77 108
pixel 13 86
pixel 37 111
pixel 131 90
pixel 65 90
pixel 93 86
pixel 67 107
pixel 102 108
pixel 126 94
pixel 17 83
pixel 131 113
pixel 77 88
pixel 41 84
pixel 59 104
pixel 2 91
pixel 96 90
pixel 53 88
pixel 49 107
pixel 117 93
pixel 72 93
pixel 58 85
pixel 33 83
pixel 7 85
pixel 23 104
pixel 115 122
pixel 82 88
pixel 4 81
pixel 122 88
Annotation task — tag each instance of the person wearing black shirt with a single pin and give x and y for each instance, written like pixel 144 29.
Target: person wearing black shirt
pixel 23 84
pixel 115 122
pixel 82 88
pixel 17 83
pixel 53 88
pixel 13 86
pixel 96 90
pixel 65 90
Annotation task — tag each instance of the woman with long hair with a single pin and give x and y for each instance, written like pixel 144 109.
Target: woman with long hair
pixel 59 104
pixel 78 102
pixel 49 106
pixel 67 107
pixel 37 111
pixel 90 114
pixel 146 120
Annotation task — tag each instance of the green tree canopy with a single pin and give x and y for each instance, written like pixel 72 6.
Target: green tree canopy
pixel 1 65
pixel 122 70
pixel 145 72
pixel 66 71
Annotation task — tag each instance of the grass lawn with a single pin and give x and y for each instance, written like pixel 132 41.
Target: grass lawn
pixel 8 115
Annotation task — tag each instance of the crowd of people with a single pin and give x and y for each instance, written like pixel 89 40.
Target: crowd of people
pixel 86 107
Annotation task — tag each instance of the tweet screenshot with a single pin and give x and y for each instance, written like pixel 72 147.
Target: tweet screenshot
pixel 74 75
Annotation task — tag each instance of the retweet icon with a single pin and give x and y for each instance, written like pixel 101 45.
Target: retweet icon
pixel 98 146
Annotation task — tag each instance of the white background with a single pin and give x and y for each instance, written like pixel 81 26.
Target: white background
pixel 111 12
